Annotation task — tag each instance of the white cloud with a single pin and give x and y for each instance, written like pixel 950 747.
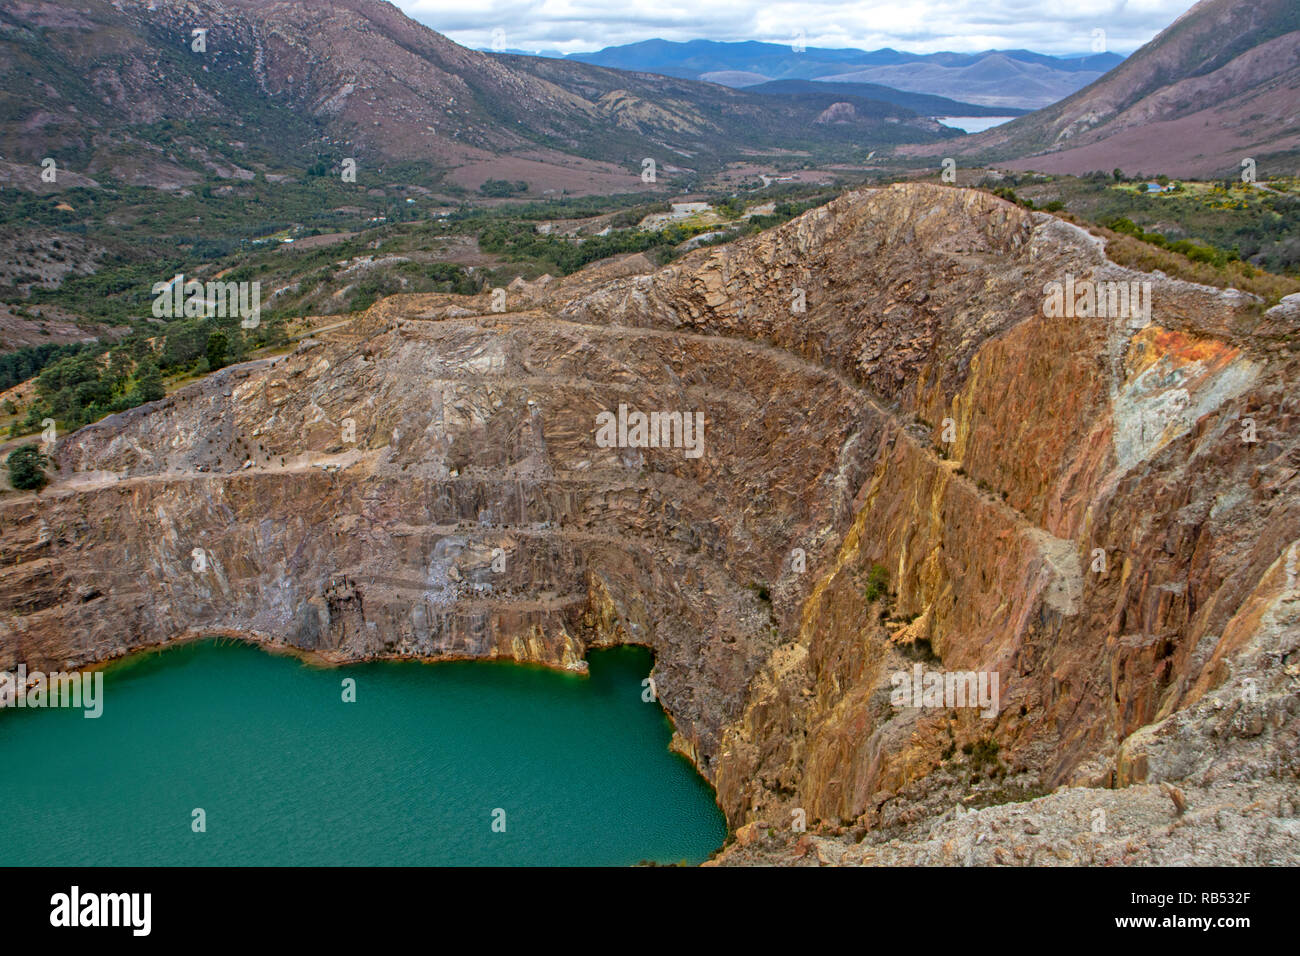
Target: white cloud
pixel 919 26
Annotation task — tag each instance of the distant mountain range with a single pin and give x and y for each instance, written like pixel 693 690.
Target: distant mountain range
pixel 117 90
pixel 120 90
pixel 1217 87
pixel 1019 79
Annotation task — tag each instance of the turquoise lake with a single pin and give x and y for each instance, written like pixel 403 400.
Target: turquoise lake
pixel 410 773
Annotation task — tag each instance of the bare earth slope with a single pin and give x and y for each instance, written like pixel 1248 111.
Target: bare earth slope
pixel 349 501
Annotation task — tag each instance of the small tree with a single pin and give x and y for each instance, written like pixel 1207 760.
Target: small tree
pixel 119 368
pixel 27 468
pixel 148 383
pixel 217 346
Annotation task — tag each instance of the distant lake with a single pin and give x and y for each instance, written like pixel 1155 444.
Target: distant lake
pixel 409 774
pixel 974 124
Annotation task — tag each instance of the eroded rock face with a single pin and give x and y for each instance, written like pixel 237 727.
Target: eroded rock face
pixel 1073 503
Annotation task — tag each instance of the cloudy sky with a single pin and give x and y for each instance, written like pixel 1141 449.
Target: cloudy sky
pixel 919 26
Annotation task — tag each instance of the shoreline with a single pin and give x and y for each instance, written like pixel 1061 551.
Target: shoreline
pixel 317 658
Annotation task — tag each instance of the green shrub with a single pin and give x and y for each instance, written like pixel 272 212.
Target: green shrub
pixel 877 583
pixel 501 188
pixel 982 753
pixel 27 468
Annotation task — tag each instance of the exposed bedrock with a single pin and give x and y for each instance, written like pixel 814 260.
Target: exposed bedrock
pixel 1102 509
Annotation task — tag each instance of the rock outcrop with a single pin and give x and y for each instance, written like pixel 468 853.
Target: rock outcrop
pixel 910 460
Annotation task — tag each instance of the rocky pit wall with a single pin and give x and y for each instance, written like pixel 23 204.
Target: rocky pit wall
pixel 1074 503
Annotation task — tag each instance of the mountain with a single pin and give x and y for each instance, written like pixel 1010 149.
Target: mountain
pixel 1220 84
pixel 119 88
pixel 996 78
pixel 692 59
pixel 922 103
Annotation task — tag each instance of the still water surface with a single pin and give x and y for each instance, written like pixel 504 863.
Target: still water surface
pixel 409 774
